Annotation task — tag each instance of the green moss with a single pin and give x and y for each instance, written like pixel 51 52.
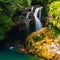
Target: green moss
pixel 37 38
pixel 55 32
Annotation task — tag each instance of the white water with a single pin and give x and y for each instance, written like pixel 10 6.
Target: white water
pixel 27 21
pixel 38 23
pixel 38 20
pixel 11 47
pixel 32 9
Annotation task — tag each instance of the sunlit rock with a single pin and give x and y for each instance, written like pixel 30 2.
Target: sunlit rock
pixel 41 44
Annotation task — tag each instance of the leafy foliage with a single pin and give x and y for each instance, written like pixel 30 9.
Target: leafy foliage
pixel 7 10
pixel 55 32
pixel 54 12
pixel 5 24
pixel 43 2
pixel 11 6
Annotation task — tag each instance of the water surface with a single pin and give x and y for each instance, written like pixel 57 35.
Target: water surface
pixel 13 55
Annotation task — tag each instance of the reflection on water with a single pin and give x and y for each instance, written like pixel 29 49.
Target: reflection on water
pixel 12 55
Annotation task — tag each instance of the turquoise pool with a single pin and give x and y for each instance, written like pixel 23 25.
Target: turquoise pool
pixel 12 55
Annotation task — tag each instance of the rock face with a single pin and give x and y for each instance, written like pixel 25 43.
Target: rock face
pixel 41 44
pixel 23 21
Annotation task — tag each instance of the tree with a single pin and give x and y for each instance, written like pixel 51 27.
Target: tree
pixel 7 10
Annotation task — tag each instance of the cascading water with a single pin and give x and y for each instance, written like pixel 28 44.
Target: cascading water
pixel 32 9
pixel 38 23
pixel 37 20
pixel 27 21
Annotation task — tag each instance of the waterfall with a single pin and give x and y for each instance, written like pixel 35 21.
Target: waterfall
pixel 37 20
pixel 38 23
pixel 32 9
pixel 27 21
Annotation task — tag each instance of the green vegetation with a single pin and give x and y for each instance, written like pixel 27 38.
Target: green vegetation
pixel 11 6
pixel 54 18
pixel 37 38
pixel 38 42
pixel 5 24
pixel 7 9
pixel 55 32
pixel 54 12
pixel 5 21
pixel 45 4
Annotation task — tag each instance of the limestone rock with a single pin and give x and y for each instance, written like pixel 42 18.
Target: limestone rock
pixel 41 44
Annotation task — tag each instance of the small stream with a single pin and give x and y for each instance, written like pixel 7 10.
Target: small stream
pixel 13 55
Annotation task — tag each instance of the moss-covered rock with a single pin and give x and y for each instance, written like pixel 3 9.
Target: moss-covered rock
pixel 41 44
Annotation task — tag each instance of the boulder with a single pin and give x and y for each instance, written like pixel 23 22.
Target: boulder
pixel 41 44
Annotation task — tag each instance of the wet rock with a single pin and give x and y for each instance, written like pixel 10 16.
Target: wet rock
pixel 23 21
